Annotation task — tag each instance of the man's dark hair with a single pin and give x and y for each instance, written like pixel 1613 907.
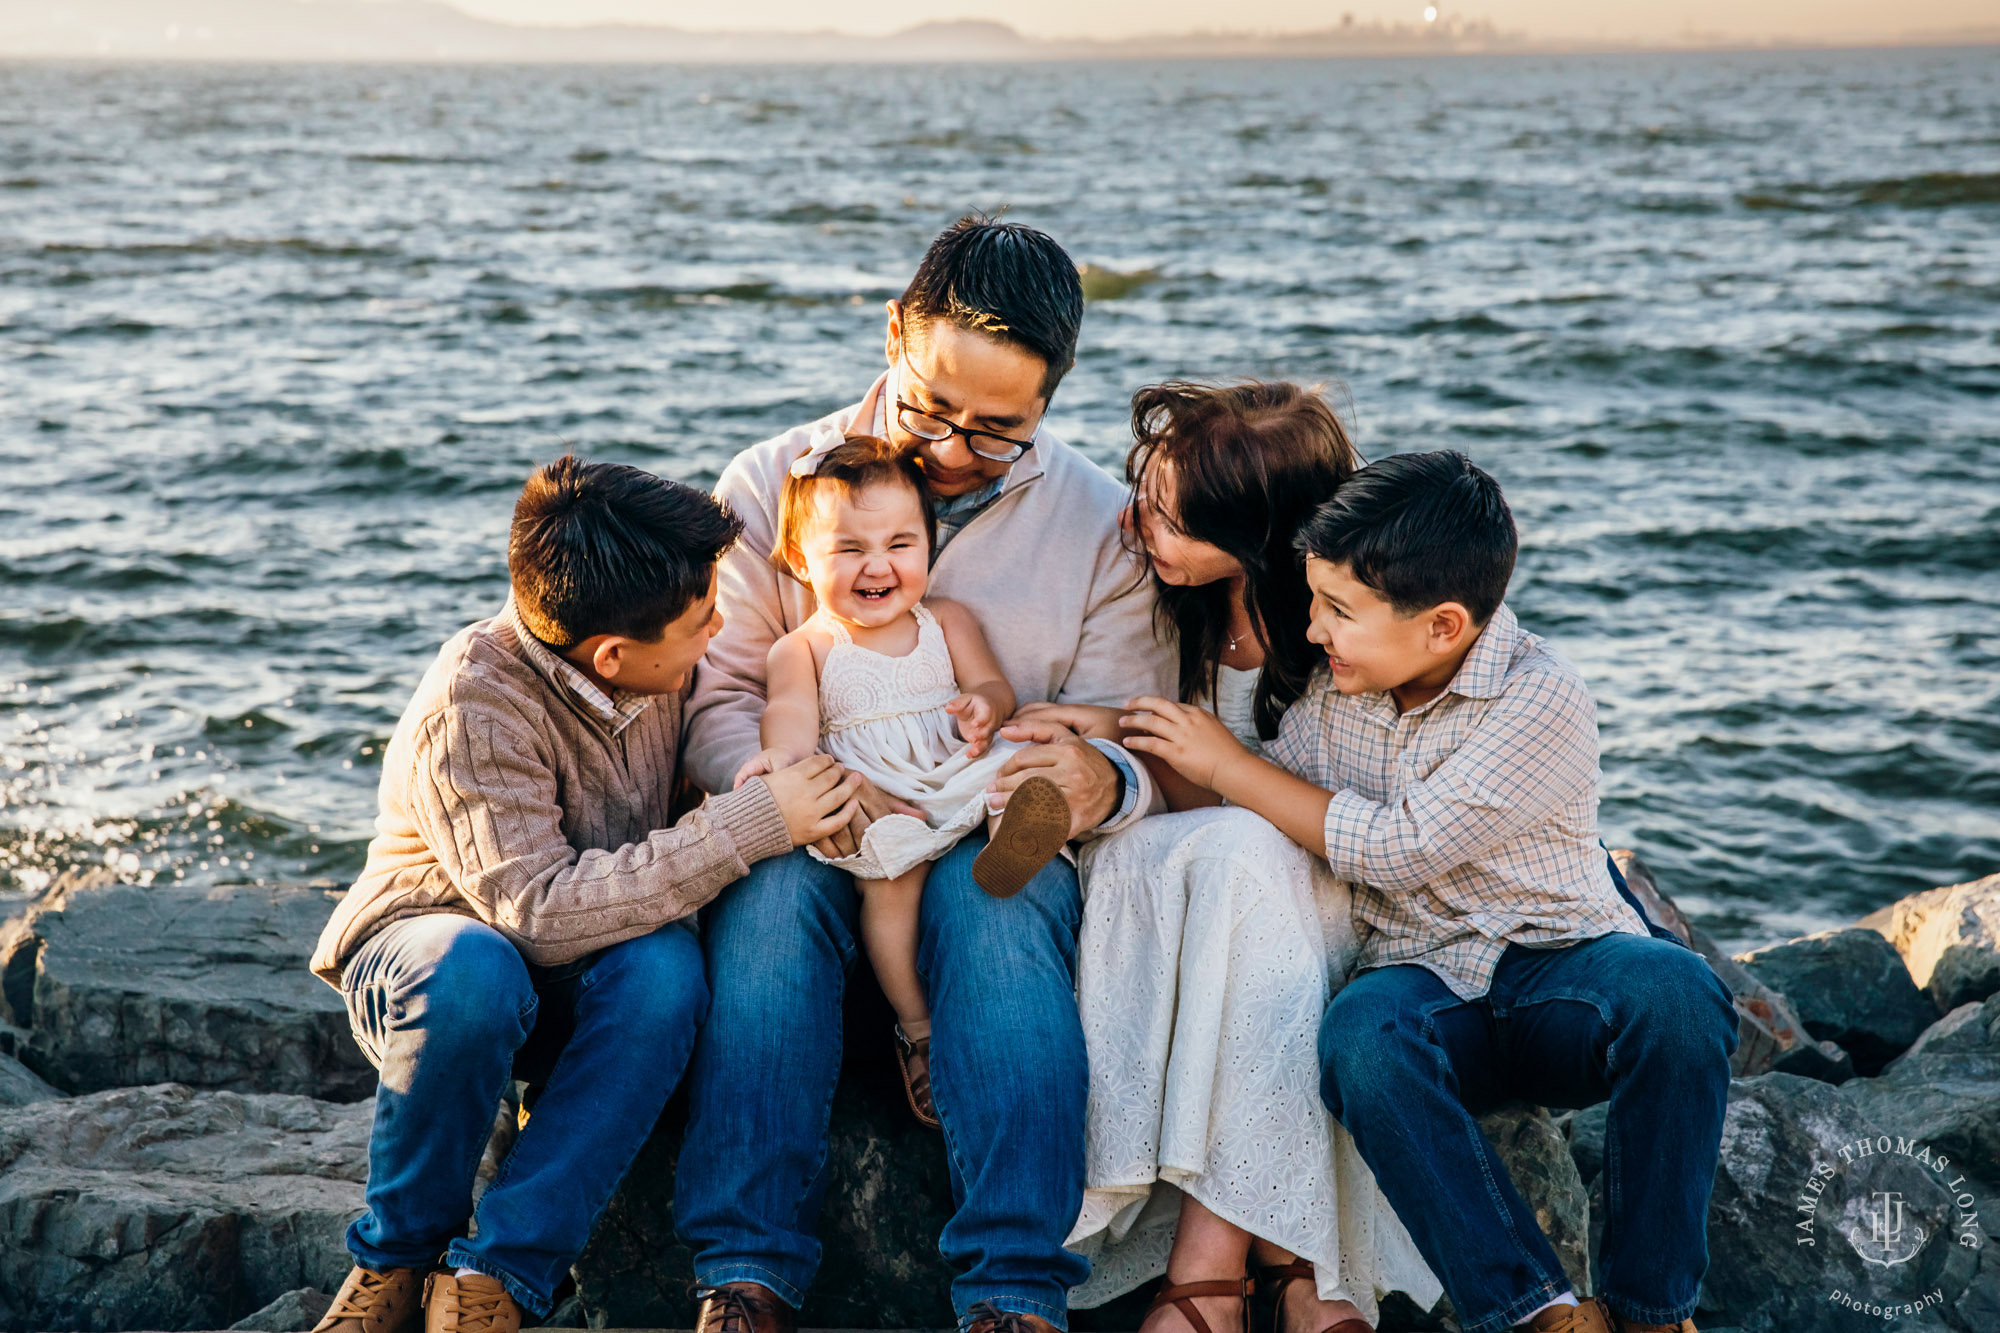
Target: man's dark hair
pixel 1420 529
pixel 1006 280
pixel 599 548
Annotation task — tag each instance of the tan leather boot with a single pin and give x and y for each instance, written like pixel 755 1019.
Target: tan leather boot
pixel 742 1307
pixel 372 1302
pixel 1586 1316
pixel 474 1303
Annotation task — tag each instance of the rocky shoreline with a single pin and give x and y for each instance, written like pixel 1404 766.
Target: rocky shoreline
pixel 184 1123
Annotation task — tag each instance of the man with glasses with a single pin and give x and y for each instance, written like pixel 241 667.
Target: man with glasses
pixel 1028 539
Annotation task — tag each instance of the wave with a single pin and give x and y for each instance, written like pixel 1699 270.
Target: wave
pixel 244 246
pixel 1934 189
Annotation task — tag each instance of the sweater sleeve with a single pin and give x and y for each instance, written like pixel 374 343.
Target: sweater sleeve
pixel 728 700
pixel 487 806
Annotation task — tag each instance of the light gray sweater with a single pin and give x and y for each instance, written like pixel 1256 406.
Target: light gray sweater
pixel 1066 607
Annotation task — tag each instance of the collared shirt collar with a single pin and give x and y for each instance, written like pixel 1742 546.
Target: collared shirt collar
pixel 615 710
pixel 1483 673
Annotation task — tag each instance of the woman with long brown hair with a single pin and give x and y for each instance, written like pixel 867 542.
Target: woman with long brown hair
pixel 1211 943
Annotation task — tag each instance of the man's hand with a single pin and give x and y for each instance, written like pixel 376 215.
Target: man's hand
pixel 816 796
pixel 762 763
pixel 1087 720
pixel 975 722
pixel 1191 739
pixel 1088 780
pixel 870 804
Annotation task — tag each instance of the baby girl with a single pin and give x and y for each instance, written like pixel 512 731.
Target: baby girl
pixel 906 692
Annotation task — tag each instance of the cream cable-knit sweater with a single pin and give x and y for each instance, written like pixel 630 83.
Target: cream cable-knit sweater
pixel 504 798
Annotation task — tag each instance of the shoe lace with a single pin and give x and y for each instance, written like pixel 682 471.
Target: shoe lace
pixel 727 1310
pixel 359 1300
pixel 996 1320
pixel 480 1312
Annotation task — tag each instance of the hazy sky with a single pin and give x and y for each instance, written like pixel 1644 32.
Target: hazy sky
pixel 1110 18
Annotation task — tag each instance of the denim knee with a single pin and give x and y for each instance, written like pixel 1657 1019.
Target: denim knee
pixel 1363 1038
pixel 656 980
pixel 476 987
pixel 1674 1004
pixel 786 905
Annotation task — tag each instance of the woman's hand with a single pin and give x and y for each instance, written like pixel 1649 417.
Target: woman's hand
pixel 1086 720
pixel 1191 739
pixel 976 720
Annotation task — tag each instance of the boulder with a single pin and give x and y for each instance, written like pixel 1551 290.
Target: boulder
pixel 1539 1160
pixel 1789 1221
pixel 1945 1090
pixel 1849 987
pixel 1769 1033
pixel 171 1208
pixel 293 1312
pixel 122 986
pixel 20 1085
pixel 1949 938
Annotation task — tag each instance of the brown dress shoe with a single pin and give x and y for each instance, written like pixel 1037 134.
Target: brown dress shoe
pixel 372 1302
pixel 742 1307
pixel 986 1319
pixel 1589 1316
pixel 474 1303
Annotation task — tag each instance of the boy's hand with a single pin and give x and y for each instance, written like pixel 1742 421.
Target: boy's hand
pixel 1192 739
pixel 1087 720
pixel 816 797
pixel 762 763
pixel 975 722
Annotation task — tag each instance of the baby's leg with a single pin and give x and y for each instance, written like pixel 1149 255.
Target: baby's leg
pixel 889 933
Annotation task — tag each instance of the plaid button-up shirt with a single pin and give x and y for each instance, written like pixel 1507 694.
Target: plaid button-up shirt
pixel 615 710
pixel 1470 822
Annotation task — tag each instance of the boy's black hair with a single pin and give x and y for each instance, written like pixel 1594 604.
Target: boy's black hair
pixel 599 548
pixel 1002 279
pixel 1420 529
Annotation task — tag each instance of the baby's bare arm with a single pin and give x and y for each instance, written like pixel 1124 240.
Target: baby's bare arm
pixel 972 659
pixel 791 708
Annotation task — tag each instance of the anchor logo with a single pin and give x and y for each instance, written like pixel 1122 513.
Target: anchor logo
pixel 1888 1231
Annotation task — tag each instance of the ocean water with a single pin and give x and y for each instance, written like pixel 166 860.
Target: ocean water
pixel 277 346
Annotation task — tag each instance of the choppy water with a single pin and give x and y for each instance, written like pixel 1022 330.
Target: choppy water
pixel 278 345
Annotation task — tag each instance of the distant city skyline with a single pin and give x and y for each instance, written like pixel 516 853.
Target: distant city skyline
pixel 1636 20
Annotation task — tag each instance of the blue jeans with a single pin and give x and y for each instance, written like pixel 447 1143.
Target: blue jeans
pixel 450 1013
pixel 1008 1076
pixel 1406 1065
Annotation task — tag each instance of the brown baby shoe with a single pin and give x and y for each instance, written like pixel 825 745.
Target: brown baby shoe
pixel 1033 829
pixel 372 1302
pixel 914 1056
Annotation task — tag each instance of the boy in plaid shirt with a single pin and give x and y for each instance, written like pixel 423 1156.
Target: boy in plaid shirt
pixel 1446 763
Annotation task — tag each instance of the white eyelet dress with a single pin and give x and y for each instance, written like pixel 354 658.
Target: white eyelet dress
pixel 1211 944
pixel 884 718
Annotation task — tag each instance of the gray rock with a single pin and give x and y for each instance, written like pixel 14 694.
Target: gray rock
pixel 1779 1245
pixel 125 986
pixel 1849 987
pixel 293 1312
pixel 20 1085
pixel 1585 1132
pixel 1945 1090
pixel 1539 1160
pixel 1949 938
pixel 166 1207
pixel 1769 1034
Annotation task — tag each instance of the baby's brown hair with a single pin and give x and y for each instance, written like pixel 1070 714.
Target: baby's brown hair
pixel 855 463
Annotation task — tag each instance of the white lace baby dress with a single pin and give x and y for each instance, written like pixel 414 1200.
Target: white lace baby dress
pixel 884 718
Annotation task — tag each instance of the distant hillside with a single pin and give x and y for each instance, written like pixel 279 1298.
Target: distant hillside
pixel 422 30
pixel 430 30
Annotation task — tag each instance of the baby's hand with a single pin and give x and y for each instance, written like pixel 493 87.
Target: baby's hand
pixel 975 722
pixel 762 764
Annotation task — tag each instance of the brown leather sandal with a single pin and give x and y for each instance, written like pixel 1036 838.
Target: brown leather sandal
pixel 917 1087
pixel 1181 1297
pixel 1032 831
pixel 1278 1277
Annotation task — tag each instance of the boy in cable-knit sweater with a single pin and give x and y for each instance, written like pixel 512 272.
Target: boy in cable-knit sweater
pixel 525 910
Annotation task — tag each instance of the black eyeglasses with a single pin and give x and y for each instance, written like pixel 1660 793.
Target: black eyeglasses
pixel 930 426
